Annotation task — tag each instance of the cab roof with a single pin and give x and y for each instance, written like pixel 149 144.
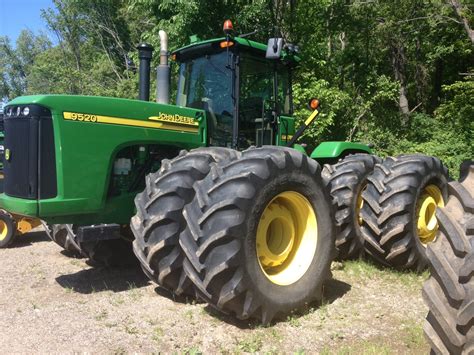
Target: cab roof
pixel 209 46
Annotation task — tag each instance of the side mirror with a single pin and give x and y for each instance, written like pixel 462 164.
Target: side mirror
pixel 274 47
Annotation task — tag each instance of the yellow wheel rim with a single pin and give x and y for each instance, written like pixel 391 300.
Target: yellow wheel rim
pixel 3 230
pixel 287 236
pixel 427 223
pixel 360 204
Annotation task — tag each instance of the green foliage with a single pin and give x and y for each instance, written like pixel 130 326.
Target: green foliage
pixel 16 62
pixel 388 73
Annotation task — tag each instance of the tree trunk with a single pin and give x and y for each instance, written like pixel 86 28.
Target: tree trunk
pixel 437 83
pixel 343 41
pixel 398 65
pixel 329 29
pixel 458 9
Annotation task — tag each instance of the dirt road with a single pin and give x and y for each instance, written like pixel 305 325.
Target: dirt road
pixel 51 302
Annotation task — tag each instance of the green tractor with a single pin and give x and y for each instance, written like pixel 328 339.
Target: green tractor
pixel 214 193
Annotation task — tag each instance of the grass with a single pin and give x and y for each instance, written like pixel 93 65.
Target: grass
pixel 192 351
pixel 130 329
pixel 69 289
pixel 276 335
pixel 407 340
pixel 135 294
pixel 294 320
pixel 366 348
pixel 189 314
pixel 117 300
pixel 77 263
pixel 413 336
pixel 101 316
pixel 251 344
pixel 119 350
pixel 366 270
pixel 158 333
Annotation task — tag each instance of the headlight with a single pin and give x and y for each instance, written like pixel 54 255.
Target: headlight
pixel 18 111
pixel 26 111
pixel 9 111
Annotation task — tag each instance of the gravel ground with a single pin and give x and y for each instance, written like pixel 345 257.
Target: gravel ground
pixel 52 302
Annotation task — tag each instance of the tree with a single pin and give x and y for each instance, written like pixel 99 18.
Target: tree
pixel 16 62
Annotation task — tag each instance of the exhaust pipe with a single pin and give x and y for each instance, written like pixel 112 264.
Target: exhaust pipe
pixel 163 71
pixel 145 51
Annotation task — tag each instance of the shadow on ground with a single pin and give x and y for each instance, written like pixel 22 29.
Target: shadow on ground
pixel 333 289
pixel 71 254
pixel 99 279
pixel 29 239
pixel 178 299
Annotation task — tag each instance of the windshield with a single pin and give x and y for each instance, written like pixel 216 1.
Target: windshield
pixel 206 83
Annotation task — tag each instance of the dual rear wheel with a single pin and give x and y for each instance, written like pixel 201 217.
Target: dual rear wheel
pixel 386 210
pixel 399 211
pixel 252 236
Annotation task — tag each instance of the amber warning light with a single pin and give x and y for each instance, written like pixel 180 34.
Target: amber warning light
pixel 314 104
pixel 228 27
pixel 226 44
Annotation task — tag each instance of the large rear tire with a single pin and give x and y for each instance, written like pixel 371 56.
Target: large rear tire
pixel 398 215
pixel 7 229
pixel 449 292
pixel 159 219
pixel 346 181
pixel 260 234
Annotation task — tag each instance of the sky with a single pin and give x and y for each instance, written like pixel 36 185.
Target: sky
pixel 16 15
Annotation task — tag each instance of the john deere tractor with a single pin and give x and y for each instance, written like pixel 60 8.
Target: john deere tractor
pixel 220 200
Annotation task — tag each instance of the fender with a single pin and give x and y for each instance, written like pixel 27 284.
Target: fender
pixel 335 150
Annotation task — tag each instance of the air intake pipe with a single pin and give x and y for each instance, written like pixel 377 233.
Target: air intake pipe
pixel 145 51
pixel 163 71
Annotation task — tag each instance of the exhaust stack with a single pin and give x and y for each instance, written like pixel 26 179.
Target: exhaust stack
pixel 163 71
pixel 145 51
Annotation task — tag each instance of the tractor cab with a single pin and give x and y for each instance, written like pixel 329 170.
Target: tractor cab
pixel 246 95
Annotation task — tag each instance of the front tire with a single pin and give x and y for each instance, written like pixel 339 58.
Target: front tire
pixel 7 229
pixel 449 292
pixel 260 234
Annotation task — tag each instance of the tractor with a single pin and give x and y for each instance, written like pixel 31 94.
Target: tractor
pixel 214 194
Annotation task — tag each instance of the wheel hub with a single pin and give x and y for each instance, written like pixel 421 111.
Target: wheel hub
pixel 427 223
pixel 3 230
pixel 286 238
pixel 279 238
pixel 360 204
